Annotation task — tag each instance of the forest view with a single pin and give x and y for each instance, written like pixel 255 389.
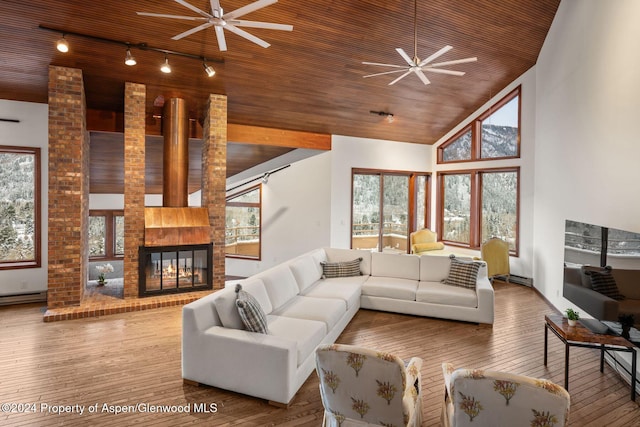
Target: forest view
pixel 17 207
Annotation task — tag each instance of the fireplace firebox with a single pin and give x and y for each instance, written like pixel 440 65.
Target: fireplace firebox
pixel 173 269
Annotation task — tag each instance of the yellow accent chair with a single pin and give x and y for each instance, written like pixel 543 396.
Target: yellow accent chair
pixel 424 240
pixel 495 252
pixel 479 398
pixel 365 387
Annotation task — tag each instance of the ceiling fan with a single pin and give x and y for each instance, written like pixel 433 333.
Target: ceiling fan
pixel 415 65
pixel 221 21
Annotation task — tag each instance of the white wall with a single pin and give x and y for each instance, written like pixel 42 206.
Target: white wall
pixel 32 131
pixel 349 152
pixel 522 264
pixel 295 214
pixel 587 109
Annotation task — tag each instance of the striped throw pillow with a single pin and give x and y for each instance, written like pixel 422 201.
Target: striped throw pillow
pixel 462 273
pixel 603 282
pixel 341 269
pixel 250 311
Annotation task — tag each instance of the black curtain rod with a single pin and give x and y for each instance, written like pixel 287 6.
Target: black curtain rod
pixel 140 46
pixel 9 120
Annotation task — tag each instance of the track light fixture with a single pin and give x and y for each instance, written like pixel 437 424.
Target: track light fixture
pixel 208 69
pixel 62 45
pixel 129 59
pixel 390 117
pixel 165 68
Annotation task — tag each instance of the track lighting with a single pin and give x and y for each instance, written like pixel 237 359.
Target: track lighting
pixel 209 70
pixel 166 68
pixel 129 59
pixel 390 117
pixel 62 45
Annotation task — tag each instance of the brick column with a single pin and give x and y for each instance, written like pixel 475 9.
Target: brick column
pixel 68 188
pixel 214 179
pixel 134 182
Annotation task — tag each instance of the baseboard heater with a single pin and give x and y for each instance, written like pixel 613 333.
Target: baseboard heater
pixel 23 298
pixel 518 280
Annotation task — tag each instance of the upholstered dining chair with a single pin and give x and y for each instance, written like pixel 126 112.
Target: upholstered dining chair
pixel 424 240
pixel 361 386
pixel 479 398
pixel 495 252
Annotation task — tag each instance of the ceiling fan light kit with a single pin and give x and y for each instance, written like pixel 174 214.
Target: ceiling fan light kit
pixel 221 21
pixel 417 66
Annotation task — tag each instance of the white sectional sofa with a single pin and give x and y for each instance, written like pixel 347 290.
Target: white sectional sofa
pixel 304 310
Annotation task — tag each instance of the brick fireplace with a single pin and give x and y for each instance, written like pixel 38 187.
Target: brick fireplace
pixel 69 197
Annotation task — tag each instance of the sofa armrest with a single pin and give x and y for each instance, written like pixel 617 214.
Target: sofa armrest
pixel 597 305
pixel 485 293
pixel 251 363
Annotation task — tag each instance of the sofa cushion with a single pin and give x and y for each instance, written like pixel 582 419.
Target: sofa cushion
pixel 307 334
pixel 225 302
pixel 327 310
pixel 250 311
pixel 395 265
pixel 280 284
pixel 337 255
pixel 439 293
pixel 346 289
pixel 390 287
pixel 462 273
pixel 305 271
pixel 341 269
pixel 604 283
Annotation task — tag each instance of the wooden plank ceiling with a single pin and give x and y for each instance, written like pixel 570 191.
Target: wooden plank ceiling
pixel 309 79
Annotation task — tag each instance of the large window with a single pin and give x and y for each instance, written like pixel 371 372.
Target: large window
pixel 495 134
pixel 479 204
pixel 19 207
pixel 386 207
pixel 106 234
pixel 243 224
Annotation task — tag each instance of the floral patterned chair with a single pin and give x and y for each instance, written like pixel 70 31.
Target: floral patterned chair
pixel 474 397
pixel 362 387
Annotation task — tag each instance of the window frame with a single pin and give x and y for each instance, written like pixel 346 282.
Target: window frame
pixel 245 204
pixel 475 217
pixel 476 132
pixel 412 205
pixel 109 234
pixel 36 262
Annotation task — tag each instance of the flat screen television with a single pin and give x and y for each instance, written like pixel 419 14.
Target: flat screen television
pixel 593 246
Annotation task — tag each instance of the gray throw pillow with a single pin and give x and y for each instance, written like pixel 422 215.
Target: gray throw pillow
pixel 250 311
pixel 341 269
pixel 462 273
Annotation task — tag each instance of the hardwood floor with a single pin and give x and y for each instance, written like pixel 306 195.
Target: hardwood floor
pixel 134 358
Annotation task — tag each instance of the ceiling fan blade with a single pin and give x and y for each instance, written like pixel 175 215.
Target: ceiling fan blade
pixel 162 15
pixel 401 77
pixel 385 72
pixel 193 30
pixel 441 71
pixel 250 37
pixel 405 56
pixel 192 7
pixel 248 8
pixel 256 24
pixel 455 61
pixel 441 52
pixel 385 65
pixel 215 6
pixel 422 77
pixel 222 42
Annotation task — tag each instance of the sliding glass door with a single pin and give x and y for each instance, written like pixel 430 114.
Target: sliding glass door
pixel 384 204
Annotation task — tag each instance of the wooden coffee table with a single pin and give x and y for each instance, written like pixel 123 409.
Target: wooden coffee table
pixel 579 336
